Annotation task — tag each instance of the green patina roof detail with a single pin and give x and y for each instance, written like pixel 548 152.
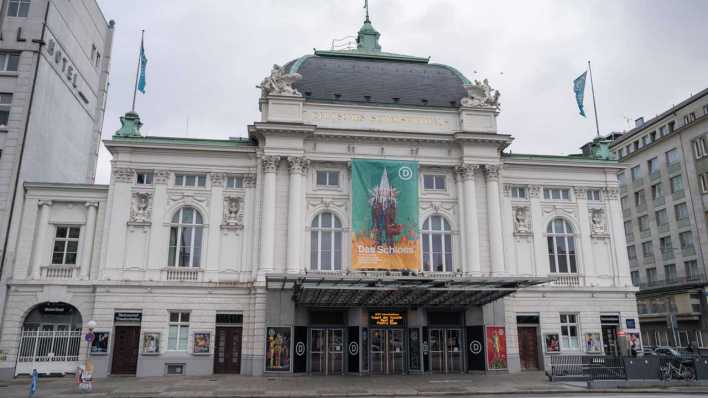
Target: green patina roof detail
pixel 181 140
pixel 456 72
pixel 129 125
pixel 371 55
pixel 298 63
pixel 578 157
pixel 368 38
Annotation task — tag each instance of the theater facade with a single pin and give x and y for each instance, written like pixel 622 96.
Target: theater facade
pixel 372 222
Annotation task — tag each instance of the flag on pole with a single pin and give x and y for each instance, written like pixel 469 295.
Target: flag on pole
pixel 143 65
pixel 579 88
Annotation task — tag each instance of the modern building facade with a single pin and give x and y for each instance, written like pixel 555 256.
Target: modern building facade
pixel 371 223
pixel 664 188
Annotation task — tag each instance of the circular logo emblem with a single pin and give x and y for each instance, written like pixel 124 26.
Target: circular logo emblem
pixel 405 173
pixel 300 348
pixel 353 348
pixel 475 347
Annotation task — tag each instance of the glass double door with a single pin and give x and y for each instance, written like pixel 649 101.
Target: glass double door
pixel 327 351
pixel 446 350
pixel 388 351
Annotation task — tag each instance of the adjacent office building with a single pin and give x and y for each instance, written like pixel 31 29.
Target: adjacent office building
pixel 664 190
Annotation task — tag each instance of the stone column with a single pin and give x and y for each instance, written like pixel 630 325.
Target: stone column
pixel 270 169
pixel 158 236
pixel 540 246
pixel 91 209
pixel 459 182
pixel 41 243
pixel 295 201
pixel 471 226
pixel 584 261
pixel 511 266
pixel 618 240
pixel 496 247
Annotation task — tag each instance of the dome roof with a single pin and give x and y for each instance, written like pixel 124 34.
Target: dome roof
pixel 368 75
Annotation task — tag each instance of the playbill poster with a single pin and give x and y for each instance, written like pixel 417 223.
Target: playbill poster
pixel 385 215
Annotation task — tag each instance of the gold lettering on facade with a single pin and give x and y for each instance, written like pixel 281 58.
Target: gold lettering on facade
pixel 317 116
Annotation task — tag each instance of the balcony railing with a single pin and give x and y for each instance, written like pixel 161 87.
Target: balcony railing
pixel 688 251
pixel 674 167
pixel 649 260
pixel 59 271
pixel 655 175
pixel 182 274
pixel 663 228
pixel 667 254
pixel 684 222
pixel 566 280
pixel 659 201
pixel 645 234
pixel 673 281
pixel 642 207
pixel 678 195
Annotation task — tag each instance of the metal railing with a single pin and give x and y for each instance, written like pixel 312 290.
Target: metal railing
pixel 675 281
pixel 589 367
pixel 48 351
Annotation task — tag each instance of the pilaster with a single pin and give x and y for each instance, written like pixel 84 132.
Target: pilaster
pixel 585 259
pixel 87 255
pixel 42 236
pixel 270 168
pixel 296 167
pixel 540 246
pixel 471 228
pixel 494 218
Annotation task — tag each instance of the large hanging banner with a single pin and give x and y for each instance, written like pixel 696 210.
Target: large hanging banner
pixel 385 215
pixel 496 348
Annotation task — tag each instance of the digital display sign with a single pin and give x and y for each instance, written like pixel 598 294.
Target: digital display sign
pixel 386 318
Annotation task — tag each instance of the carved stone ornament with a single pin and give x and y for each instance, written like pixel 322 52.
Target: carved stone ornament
pixel 437 206
pixel 249 180
pixel 521 220
pixel 534 191
pixel 296 165
pixel 467 170
pixel 233 213
pixel 612 193
pixel 280 83
pixel 598 227
pixel 580 192
pixel 327 203
pixel 507 190
pixel 492 171
pixel 140 208
pixel 270 164
pixel 122 174
pixel 481 95
pixel 217 179
pixel 161 176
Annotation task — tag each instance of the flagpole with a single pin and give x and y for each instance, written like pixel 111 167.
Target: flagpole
pixel 594 105
pixel 137 69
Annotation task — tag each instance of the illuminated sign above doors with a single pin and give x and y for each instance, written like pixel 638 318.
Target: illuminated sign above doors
pixel 386 318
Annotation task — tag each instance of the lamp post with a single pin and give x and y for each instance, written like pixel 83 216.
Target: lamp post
pixel 85 375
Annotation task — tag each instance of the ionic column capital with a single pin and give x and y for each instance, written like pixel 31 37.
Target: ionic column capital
pixel 612 193
pixel 270 163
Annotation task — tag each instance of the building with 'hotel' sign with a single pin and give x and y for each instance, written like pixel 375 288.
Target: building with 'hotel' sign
pixel 371 223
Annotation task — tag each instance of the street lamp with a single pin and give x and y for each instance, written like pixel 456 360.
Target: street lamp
pixel 86 374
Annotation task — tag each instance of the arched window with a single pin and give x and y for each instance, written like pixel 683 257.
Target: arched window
pixel 437 244
pixel 561 246
pixel 326 243
pixel 186 238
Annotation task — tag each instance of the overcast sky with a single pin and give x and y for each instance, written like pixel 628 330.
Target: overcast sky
pixel 205 58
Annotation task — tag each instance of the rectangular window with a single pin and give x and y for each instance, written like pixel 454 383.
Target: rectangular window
pixel 620 178
pixel 653 165
pixel 676 184
pixel 643 223
pixel 327 178
pixel 686 240
pixel 434 182
pixel 681 211
pixel 703 181
pixel 143 178
pixel 670 272
pixel 657 191
pixel 692 270
pixel 234 182
pixel 686 120
pixel 628 229
pixel 66 245
pixel 699 147
pixel 673 156
pixel 648 249
pixel 635 278
pixel 5 103
pixel 651 275
pixel 179 331
pixel 705 109
pixel 594 194
pixel 18 8
pixel 665 244
pixel 640 198
pixel 661 217
pixel 652 136
pixel 624 202
pixel 645 140
pixel 190 180
pixel 636 172
pixel 556 193
pixel 663 131
pixel 632 252
pixel 569 332
pixel 518 192
pixel 9 61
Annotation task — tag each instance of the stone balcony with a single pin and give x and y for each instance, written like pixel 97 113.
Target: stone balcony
pixel 182 274
pixel 567 280
pixel 62 272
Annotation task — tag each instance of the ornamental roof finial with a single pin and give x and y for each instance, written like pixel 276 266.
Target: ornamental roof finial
pixel 368 38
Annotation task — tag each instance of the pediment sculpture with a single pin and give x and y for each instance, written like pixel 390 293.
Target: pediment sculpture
pixel 481 94
pixel 233 212
pixel 140 208
pixel 280 83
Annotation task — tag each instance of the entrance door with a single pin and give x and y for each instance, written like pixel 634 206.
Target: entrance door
pixel 454 350
pixel 528 347
pixel 609 339
pixel 327 351
pixel 227 350
pixel 125 352
pixel 388 351
pixel 445 350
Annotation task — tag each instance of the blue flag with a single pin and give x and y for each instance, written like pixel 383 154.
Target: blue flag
pixel 143 65
pixel 579 88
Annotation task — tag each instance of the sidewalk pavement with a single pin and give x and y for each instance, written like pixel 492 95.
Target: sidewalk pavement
pixel 526 383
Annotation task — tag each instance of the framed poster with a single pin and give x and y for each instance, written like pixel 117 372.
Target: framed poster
pixel 385 231
pixel 593 343
pixel 100 343
pixel 201 342
pixel 496 348
pixel 277 349
pixel 551 343
pixel 634 343
pixel 151 343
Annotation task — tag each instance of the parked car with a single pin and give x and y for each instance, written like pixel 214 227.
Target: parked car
pixel 648 351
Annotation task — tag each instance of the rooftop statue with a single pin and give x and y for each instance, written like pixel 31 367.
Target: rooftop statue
pixel 481 94
pixel 279 83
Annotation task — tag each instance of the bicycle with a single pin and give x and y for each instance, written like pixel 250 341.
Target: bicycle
pixel 681 372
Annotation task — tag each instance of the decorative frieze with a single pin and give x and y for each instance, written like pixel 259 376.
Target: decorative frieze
pixel 438 206
pixel 270 163
pixel 122 174
pixel 141 208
